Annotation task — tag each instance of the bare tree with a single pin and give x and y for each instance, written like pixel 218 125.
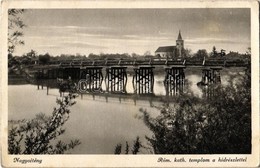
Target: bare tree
pixel 15 26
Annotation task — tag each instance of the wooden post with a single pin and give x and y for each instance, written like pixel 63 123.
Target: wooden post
pixel 139 82
pixel 143 80
pixel 107 79
pixel 94 78
pixel 125 80
pixel 134 81
pixel 174 80
pixel 113 80
pixel 116 79
pixel 152 81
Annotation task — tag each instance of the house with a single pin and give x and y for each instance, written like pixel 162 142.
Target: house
pixel 172 51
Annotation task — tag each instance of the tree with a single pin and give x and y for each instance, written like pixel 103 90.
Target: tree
pixel 214 52
pixel 147 53
pixel 38 136
pixel 187 53
pixel 248 52
pixel 15 26
pixel 44 59
pixel 134 55
pixel 222 52
pixel 201 54
pixel 31 54
pixel 10 56
pixel 220 125
pixel 93 56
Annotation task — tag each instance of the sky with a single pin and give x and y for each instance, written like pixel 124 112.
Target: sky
pixel 85 31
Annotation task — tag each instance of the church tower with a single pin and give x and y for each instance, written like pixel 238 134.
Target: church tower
pixel 179 45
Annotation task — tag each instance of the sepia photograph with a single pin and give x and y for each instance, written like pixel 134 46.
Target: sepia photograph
pixel 144 81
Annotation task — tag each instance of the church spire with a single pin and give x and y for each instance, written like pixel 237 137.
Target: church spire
pixel 179 36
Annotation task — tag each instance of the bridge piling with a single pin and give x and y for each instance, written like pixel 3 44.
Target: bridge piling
pixel 143 80
pixel 211 75
pixel 93 77
pixel 116 79
pixel 210 78
pixel 174 80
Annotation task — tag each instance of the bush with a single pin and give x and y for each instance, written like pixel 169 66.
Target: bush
pixel 219 125
pixel 135 149
pixel 37 136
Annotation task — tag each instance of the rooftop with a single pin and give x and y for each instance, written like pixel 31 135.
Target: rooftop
pixel 166 49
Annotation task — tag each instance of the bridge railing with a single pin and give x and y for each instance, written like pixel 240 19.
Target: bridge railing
pixel 153 61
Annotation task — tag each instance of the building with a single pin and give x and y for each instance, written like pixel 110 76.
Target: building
pixel 172 51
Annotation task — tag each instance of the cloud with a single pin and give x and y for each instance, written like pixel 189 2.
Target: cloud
pixel 71 27
pixel 81 44
pixel 131 36
pixel 48 46
pixel 87 35
pixel 36 37
pixel 215 40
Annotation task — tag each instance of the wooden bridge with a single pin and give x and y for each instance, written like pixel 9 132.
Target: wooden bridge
pixel 92 73
pixel 107 96
pixel 90 79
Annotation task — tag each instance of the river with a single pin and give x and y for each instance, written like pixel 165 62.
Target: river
pixel 100 123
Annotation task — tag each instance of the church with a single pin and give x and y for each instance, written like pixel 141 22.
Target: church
pixel 172 51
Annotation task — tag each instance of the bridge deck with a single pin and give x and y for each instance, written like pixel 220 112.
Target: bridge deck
pixel 151 62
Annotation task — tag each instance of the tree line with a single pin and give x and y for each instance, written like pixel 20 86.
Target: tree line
pixel 32 56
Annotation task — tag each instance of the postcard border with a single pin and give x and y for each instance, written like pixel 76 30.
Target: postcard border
pixel 129 160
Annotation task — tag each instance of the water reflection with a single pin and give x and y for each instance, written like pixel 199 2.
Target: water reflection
pixel 171 90
pixel 159 88
pixel 210 76
pixel 209 91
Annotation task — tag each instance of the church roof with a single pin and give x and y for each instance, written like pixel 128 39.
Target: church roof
pixel 166 49
pixel 179 36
